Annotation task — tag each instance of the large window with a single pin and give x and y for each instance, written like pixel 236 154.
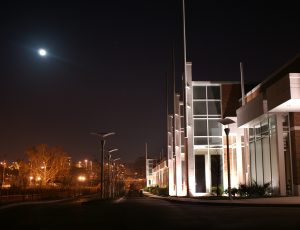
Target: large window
pixel 207 135
pixel 263 153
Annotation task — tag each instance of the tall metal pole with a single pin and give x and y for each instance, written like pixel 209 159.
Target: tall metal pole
pixel 102 169
pixel 173 122
pixel 228 163
pixel 167 113
pixel 185 103
pixel 242 83
pixel 109 176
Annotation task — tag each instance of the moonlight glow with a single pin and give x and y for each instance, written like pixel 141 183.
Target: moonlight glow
pixel 42 52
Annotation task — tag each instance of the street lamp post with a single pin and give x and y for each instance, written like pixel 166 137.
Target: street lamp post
pixel 102 137
pixel 114 177
pixel 227 121
pixel 109 175
pixel 3 173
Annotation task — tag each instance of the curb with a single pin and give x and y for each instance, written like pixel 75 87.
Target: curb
pixel 224 203
pixel 228 204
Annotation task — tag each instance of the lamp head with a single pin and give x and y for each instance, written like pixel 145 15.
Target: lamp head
pixel 102 135
pixel 226 121
pixel 112 150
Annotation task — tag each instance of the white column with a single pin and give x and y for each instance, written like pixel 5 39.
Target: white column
pixel 190 130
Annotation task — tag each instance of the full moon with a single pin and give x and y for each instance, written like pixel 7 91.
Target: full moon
pixel 42 52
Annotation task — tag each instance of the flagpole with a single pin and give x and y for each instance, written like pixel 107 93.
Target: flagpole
pixel 185 102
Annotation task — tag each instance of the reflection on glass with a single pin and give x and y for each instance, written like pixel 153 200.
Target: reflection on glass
pixel 213 92
pixel 199 92
pixel 200 127
pixel 214 107
pixel 199 108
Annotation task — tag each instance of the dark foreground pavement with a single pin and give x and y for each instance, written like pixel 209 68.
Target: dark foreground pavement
pixel 146 213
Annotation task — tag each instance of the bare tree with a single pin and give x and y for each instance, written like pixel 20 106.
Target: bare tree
pixel 47 163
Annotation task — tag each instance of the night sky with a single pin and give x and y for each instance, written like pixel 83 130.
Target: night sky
pixel 108 63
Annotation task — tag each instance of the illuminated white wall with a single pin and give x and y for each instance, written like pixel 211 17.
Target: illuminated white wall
pixel 172 188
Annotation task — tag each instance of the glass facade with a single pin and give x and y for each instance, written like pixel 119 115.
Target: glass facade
pixel 263 153
pixel 207 136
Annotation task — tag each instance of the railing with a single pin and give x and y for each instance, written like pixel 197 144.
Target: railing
pixel 7 196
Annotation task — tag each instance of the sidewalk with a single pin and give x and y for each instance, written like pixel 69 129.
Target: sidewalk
pixel 78 199
pixel 291 201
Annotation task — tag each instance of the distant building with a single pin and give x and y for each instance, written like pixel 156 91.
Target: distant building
pixel 160 175
pixel 149 171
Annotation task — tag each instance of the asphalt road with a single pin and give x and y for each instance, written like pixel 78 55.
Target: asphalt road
pixel 145 213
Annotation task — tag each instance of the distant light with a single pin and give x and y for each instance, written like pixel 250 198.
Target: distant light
pixel 81 178
pixel 42 52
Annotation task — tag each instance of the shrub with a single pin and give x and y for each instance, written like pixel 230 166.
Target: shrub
pixel 218 191
pixel 159 191
pixel 234 191
pixel 254 189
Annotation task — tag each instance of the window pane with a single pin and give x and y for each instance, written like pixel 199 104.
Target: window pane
pixel 259 163
pixel 274 163
pixel 214 107
pixel 201 151
pixel 213 92
pixel 251 134
pixel 200 127
pixel 215 141
pixel 252 161
pixel 214 128
pixel 199 92
pixel 200 141
pixel 264 126
pixel 257 131
pixel 199 108
pixel 267 160
pixel 200 173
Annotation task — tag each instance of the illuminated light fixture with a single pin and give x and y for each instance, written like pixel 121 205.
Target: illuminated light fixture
pixel 42 52
pixel 81 178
